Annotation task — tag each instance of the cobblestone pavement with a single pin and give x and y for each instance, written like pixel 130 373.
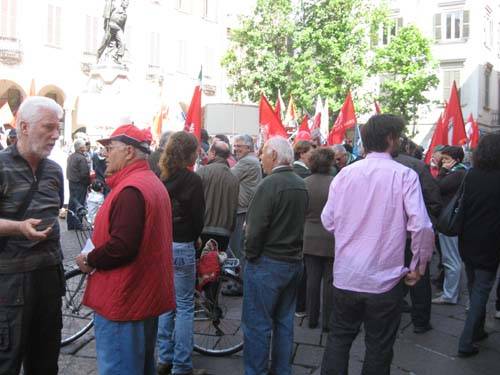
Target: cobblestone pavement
pixel 431 353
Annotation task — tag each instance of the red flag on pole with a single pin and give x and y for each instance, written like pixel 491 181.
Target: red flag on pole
pixel 377 107
pixel 304 125
pixel 193 117
pixel 270 124
pixel 440 137
pixel 345 120
pixel 277 109
pixel 304 133
pixel 472 132
pixel 453 119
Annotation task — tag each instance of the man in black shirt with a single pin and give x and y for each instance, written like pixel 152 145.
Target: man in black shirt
pixel 30 254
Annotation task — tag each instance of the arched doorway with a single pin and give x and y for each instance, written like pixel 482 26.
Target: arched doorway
pixel 53 92
pixel 12 93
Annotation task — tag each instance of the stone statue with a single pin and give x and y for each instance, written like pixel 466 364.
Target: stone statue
pixel 115 17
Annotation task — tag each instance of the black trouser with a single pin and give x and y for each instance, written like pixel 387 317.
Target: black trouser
pixel 420 294
pixel 497 304
pixel 302 292
pixel 319 268
pixel 380 315
pixel 77 196
pixel 30 321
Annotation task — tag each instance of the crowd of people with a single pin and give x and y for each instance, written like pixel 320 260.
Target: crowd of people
pixel 321 233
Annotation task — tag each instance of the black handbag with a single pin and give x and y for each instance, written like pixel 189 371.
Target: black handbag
pixel 450 222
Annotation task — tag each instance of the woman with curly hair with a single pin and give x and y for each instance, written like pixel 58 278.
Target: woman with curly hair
pixel 479 242
pixel 175 329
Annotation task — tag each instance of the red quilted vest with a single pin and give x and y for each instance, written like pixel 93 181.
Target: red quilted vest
pixel 143 288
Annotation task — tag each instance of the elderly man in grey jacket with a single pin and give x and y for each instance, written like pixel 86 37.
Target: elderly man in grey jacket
pixel 249 174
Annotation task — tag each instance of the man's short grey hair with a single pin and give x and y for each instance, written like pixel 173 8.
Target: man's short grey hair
pixel 220 149
pixel 31 108
pixel 78 144
pixel 164 139
pixel 339 149
pixel 246 139
pixel 139 154
pixel 283 149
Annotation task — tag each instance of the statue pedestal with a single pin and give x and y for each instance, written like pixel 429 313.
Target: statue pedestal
pixel 107 100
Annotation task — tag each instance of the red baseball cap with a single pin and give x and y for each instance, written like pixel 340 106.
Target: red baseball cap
pixel 130 135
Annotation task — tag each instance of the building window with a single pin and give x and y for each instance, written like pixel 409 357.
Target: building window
pixel 8 15
pixel 487 77
pixel 488 28
pixel 389 30
pixel 182 56
pixel 210 9
pixel 448 77
pixel 91 34
pixel 451 26
pixel 184 5
pixel 54 25
pixel 154 49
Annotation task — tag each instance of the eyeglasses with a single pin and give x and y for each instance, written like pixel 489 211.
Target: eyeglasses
pixel 111 148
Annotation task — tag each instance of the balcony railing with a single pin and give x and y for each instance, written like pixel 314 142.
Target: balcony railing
pixel 11 52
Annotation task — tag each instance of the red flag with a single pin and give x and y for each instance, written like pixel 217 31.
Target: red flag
pixel 32 88
pixel 440 137
pixel 345 120
pixel 269 122
pixel 304 126
pixel 193 117
pixel 453 119
pixel 277 109
pixel 472 132
pixel 377 107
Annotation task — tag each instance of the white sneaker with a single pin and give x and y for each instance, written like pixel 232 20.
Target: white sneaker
pixel 497 314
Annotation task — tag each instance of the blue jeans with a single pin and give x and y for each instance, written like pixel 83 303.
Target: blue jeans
pixel 452 264
pixel 125 347
pixel 269 298
pixel 175 328
pixel 480 282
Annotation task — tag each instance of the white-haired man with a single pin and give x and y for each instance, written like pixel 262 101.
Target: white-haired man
pixel 273 247
pixel 78 175
pixel 31 280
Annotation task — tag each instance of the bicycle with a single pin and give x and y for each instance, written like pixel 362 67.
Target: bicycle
pixel 217 321
pixel 77 319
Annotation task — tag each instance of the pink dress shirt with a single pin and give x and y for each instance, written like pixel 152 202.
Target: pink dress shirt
pixel 371 206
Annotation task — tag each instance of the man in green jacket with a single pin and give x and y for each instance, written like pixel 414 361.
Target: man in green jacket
pixel 273 246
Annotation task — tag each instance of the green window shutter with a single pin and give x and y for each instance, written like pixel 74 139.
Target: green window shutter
pixel 465 26
pixel 437 26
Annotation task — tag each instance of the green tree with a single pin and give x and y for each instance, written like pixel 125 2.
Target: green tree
pixel 260 58
pixel 407 71
pixel 303 48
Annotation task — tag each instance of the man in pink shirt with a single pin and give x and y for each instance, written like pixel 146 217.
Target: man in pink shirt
pixel 371 206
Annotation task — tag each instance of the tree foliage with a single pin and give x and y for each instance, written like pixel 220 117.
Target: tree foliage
pixel 320 47
pixel 407 72
pixel 303 48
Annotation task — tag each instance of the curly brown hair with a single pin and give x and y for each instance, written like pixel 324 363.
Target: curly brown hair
pixel 179 153
pixel 321 160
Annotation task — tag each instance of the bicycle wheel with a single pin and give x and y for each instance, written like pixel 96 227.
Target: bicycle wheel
pixel 217 319
pixel 77 319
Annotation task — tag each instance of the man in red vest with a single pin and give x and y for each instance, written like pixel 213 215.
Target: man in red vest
pixel 130 270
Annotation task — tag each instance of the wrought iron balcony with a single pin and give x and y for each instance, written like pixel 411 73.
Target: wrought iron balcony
pixel 11 52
